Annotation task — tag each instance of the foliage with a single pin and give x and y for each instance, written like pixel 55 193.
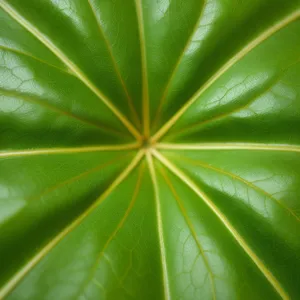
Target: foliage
pixel 149 149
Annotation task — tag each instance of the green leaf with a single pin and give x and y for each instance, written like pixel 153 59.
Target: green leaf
pixel 149 149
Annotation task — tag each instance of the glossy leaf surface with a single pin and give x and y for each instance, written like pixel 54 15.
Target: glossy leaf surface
pixel 149 149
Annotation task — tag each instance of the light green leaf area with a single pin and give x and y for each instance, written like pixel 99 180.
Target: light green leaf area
pixel 149 149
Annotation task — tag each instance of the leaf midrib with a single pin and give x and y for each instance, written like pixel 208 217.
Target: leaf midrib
pixel 70 150
pixel 19 52
pixel 74 68
pixel 229 146
pixel 192 230
pixel 115 66
pixel 237 57
pixel 240 240
pixel 51 107
pixel 13 282
pixel 218 117
pixel 145 84
pixel 117 229
pixel 240 179
pixel 167 293
pixel 78 73
pixel 178 62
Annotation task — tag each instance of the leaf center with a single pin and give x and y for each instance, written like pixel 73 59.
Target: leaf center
pixel 147 144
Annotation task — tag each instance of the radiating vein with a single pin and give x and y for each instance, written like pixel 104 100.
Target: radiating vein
pixel 71 150
pixel 240 240
pixel 16 279
pixel 74 68
pixel 58 110
pixel 177 64
pixel 224 115
pixel 77 177
pixel 117 229
pixel 238 56
pixel 229 146
pixel 192 229
pixel 236 177
pixel 19 52
pixel 146 108
pixel 116 68
pixel 159 227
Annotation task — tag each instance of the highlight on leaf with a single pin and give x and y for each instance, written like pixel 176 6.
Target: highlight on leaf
pixel 149 149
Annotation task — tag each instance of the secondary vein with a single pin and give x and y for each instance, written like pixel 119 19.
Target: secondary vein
pixel 58 110
pixel 115 66
pixel 246 182
pixel 238 56
pixel 176 66
pixel 19 52
pixel 118 227
pixel 17 278
pixel 192 229
pixel 74 68
pixel 237 236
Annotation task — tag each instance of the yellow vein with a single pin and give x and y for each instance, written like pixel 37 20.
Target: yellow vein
pixel 117 70
pixel 224 115
pixel 128 268
pixel 74 68
pixel 229 146
pixel 146 109
pixel 118 228
pixel 176 66
pixel 236 177
pixel 57 110
pixel 240 240
pixel 77 177
pixel 159 227
pixel 13 282
pixel 19 52
pixel 99 285
pixel 115 273
pixel 205 122
pixel 238 56
pixel 71 150
pixel 192 229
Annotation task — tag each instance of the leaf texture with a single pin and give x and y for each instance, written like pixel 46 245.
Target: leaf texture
pixel 149 149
